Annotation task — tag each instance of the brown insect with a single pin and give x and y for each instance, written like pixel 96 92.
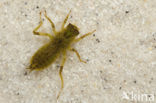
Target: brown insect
pixel 58 44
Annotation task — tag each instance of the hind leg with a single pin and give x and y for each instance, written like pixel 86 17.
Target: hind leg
pixel 60 73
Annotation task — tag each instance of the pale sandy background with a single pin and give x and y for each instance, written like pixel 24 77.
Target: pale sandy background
pixel 121 54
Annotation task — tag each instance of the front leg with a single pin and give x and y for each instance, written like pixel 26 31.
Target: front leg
pixel 65 20
pixel 51 22
pixel 40 33
pixel 83 36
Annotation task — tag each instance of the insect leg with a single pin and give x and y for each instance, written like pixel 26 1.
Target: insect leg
pixel 60 73
pixel 40 33
pixel 65 20
pixel 78 55
pixel 85 35
pixel 52 24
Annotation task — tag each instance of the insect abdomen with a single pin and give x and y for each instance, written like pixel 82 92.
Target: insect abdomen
pixel 46 55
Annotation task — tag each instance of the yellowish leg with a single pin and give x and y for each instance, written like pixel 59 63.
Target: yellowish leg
pixel 40 33
pixel 52 24
pixel 85 35
pixel 78 55
pixel 60 74
pixel 65 20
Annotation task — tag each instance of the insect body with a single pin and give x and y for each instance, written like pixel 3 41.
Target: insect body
pixel 58 44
